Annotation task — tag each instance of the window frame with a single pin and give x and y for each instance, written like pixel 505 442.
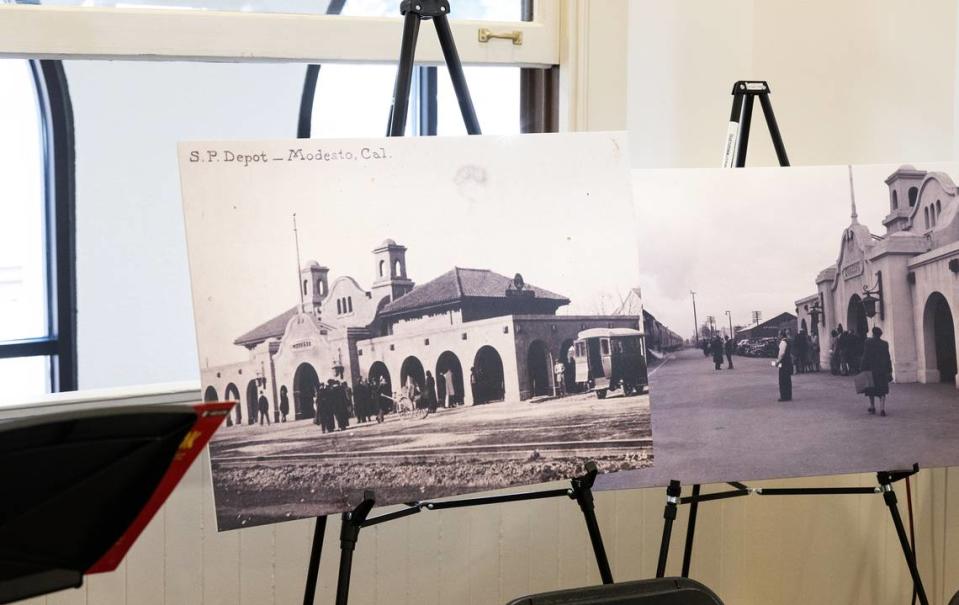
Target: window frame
pixel 58 32
pixel 56 120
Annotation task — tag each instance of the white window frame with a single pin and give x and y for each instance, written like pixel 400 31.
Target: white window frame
pixel 56 32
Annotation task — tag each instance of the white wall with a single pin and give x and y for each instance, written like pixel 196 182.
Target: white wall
pixel 858 81
pixel 135 322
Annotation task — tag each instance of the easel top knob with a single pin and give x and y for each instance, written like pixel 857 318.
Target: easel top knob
pixel 425 8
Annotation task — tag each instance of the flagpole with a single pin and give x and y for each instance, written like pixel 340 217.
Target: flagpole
pixel 299 287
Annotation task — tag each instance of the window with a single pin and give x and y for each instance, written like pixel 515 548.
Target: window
pixel 396 269
pixel 349 304
pixel 37 284
pixel 938 208
pixel 895 200
pixel 339 307
pixel 913 193
pixel 604 346
pixel 382 267
pixel 350 100
pixel 925 216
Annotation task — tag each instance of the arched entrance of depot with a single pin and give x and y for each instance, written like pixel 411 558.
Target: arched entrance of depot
pixel 251 396
pixel 569 366
pixel 380 374
pixel 412 369
pixel 538 369
pixel 210 394
pixel 939 337
pixel 305 384
pixel 487 380
pixel 449 362
pixel 232 393
pixel 856 317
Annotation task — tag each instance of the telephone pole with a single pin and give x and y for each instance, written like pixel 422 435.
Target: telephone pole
pixel 695 320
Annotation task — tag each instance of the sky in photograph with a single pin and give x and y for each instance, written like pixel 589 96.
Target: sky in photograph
pixel 555 208
pixel 747 239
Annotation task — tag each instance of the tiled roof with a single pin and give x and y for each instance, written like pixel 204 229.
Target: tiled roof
pixel 272 328
pixel 459 284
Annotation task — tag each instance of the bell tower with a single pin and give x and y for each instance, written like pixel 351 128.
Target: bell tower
pixel 904 186
pixel 390 271
pixel 314 286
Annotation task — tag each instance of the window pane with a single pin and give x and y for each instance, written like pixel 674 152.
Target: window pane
pixel 495 94
pixel 24 378
pixel 486 10
pixel 354 101
pixel 23 293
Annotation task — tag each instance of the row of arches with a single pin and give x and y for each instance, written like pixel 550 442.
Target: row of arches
pixel 232 393
pixel 486 380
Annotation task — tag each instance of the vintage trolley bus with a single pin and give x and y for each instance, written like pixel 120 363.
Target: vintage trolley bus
pixel 611 359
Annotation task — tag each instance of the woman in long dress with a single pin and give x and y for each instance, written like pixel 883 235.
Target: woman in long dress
pixel 876 359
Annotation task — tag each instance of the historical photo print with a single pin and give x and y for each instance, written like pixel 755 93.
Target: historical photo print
pixel 417 317
pixel 812 320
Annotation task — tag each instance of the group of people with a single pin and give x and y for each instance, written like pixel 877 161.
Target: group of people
pixel 845 351
pixel 371 400
pixel 849 355
pixel 332 405
pixel 805 353
pixel 427 396
pixel 720 347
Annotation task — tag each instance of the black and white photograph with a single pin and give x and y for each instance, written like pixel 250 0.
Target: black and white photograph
pixel 814 317
pixel 420 318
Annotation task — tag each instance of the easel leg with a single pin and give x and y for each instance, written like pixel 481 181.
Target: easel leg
pixel 774 129
pixel 691 531
pixel 744 126
pixel 582 492
pixel 673 493
pixel 457 76
pixel 404 76
pixel 313 571
pixel 889 495
pixel 349 534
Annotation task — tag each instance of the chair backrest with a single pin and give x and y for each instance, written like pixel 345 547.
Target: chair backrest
pixel 657 591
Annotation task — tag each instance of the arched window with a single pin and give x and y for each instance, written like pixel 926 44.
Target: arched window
pixel 925 216
pixel 306 287
pixel 397 268
pixel 895 200
pixel 913 192
pixel 339 307
pixel 37 236
pixel 349 304
pixel 938 208
pixel 382 267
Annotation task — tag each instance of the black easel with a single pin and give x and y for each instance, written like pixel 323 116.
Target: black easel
pixel 735 156
pixel 740 120
pixel 353 521
pixel 413 12
pixel 580 490
pixel 885 480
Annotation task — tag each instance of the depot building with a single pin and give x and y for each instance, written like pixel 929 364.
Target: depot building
pixel 498 336
pixel 906 281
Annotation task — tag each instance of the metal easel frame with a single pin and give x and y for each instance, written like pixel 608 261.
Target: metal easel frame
pixel 580 489
pixel 744 92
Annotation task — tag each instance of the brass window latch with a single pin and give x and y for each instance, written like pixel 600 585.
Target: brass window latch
pixel 485 34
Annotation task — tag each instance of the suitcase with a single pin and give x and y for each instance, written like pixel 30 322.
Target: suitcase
pixel 863 381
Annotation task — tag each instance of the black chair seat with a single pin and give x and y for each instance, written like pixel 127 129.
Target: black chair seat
pixel 658 591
